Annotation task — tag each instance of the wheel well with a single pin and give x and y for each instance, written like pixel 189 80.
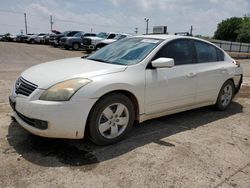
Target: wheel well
pixel 75 43
pixel 231 79
pixel 124 92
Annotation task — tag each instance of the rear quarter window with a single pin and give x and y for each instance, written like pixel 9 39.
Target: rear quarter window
pixel 220 55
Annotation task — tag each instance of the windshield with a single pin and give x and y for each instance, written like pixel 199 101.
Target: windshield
pixel 72 33
pixel 65 32
pixel 121 37
pixel 78 34
pixel 127 51
pixel 102 35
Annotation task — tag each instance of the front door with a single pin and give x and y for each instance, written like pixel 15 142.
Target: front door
pixel 172 88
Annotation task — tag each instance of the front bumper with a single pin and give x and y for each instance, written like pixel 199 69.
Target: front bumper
pixel 65 45
pixel 64 119
pixel 53 42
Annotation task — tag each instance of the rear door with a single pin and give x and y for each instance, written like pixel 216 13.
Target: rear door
pixel 210 70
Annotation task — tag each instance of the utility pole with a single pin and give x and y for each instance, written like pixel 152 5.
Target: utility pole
pixel 25 22
pixel 146 20
pixel 191 31
pixel 136 30
pixel 51 23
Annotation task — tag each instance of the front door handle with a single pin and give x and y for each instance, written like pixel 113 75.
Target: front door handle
pixel 191 75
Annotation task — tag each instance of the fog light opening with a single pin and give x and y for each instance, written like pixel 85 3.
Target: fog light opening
pixel 41 124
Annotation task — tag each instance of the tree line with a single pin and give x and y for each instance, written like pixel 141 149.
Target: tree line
pixel 236 29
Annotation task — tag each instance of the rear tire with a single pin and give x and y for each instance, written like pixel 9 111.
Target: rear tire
pixel 225 96
pixel 111 119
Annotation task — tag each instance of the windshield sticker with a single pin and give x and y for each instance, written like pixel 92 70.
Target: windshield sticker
pixel 150 41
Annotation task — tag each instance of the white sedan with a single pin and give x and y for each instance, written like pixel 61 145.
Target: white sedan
pixel 134 79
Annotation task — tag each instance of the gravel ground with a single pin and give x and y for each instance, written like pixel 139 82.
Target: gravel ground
pixel 198 148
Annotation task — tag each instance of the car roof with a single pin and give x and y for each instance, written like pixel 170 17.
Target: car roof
pixel 171 37
pixel 162 36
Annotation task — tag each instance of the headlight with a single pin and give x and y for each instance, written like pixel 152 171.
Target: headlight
pixel 63 91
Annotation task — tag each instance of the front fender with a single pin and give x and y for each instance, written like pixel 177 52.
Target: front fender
pixel 120 81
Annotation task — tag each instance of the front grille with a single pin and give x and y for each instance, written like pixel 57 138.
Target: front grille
pixel 24 87
pixel 86 41
pixel 52 37
pixel 63 39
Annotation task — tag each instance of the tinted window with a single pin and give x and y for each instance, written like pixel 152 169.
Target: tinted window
pixel 111 36
pixel 181 51
pixel 220 55
pixel 205 52
pixel 102 35
pixel 78 34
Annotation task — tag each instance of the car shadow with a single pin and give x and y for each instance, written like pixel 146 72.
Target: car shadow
pixel 63 152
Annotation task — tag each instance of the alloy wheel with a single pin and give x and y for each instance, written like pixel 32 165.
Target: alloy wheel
pixel 113 120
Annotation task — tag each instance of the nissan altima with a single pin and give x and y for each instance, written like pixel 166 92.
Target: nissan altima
pixel 134 79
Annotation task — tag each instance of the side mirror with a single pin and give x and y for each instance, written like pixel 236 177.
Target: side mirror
pixel 163 62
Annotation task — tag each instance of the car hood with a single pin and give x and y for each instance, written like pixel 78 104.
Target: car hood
pixel 108 41
pixel 31 36
pixel 94 38
pixel 70 38
pixel 47 74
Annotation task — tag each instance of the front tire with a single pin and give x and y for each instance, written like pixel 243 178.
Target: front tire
pixel 75 46
pixel 111 119
pixel 225 96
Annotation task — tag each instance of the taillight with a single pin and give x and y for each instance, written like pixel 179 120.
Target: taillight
pixel 236 63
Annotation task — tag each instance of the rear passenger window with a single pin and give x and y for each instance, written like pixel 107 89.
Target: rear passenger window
pixel 181 51
pixel 205 52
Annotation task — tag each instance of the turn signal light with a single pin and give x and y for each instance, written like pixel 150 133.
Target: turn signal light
pixel 237 63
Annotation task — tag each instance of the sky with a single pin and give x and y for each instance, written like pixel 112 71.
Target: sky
pixel 118 15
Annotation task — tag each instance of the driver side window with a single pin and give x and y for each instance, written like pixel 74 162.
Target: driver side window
pixel 182 51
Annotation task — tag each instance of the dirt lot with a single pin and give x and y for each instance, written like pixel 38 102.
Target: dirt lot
pixel 198 148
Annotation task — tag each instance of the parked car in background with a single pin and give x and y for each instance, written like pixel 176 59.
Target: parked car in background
pixel 90 43
pixel 74 42
pixel 52 34
pixel 39 39
pixel 54 40
pixel 138 78
pixel 30 39
pixel 21 38
pixel 109 41
pixel 9 37
pixel 1 37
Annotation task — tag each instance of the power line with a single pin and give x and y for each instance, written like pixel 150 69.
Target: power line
pixel 18 26
pixel 65 20
pixel 71 21
pixel 98 25
pixel 10 11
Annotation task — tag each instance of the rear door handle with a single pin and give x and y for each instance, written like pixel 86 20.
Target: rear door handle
pixel 191 75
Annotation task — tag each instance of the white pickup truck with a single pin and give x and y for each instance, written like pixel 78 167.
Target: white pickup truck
pixel 91 43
